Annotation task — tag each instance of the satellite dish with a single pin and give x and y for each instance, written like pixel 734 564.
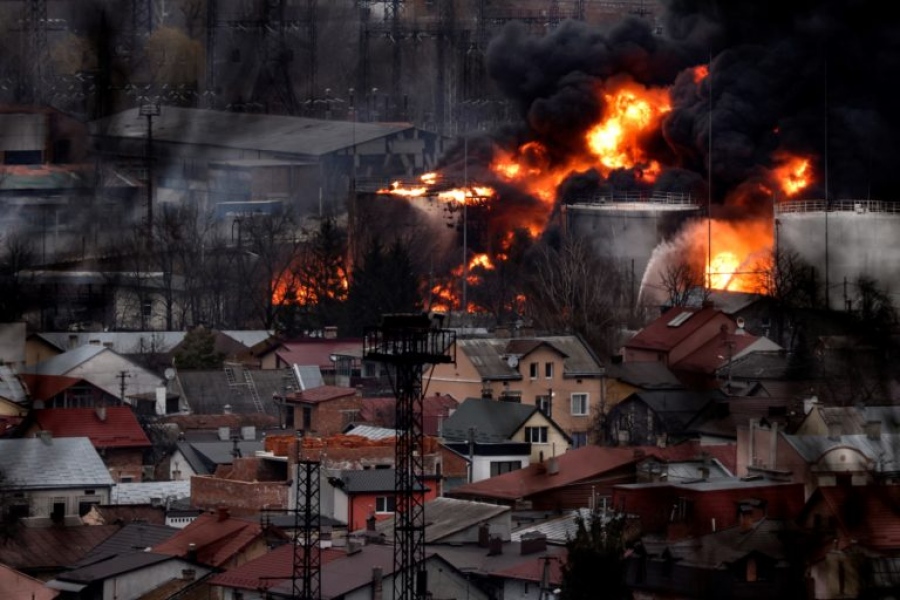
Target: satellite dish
pixel 169 373
pixel 512 361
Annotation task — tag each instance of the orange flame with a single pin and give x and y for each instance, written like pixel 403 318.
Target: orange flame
pixel 741 254
pixel 700 72
pixel 793 174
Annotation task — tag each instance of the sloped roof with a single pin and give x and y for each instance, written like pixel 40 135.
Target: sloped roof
pixel 719 549
pixel 119 428
pixel 61 364
pixel 853 419
pixel 204 457
pixel 249 337
pixel 672 328
pixel 446 517
pixel 207 391
pixel 122 342
pixel 435 411
pixel 33 464
pixel 645 375
pixel 269 569
pixel 113 566
pixel 317 351
pixel 775 364
pixel 371 431
pixel 868 514
pixel 131 537
pixel 369 481
pixel 885 447
pixel 532 569
pixel 497 358
pixel 676 408
pixel 268 133
pixel 323 393
pixel 44 387
pixel 582 464
pixel 557 530
pixel 728 302
pixel 14 584
pixel 51 548
pixel 217 541
pixel 716 353
pixel 492 420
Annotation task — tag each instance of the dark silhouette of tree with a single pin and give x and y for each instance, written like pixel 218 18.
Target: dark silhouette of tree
pixel 385 282
pixel 595 563
pixel 18 254
pixel 680 280
pixel 198 351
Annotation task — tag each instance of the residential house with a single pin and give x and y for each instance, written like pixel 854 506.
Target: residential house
pixel 535 579
pixel 322 411
pixel 15 584
pixel 59 391
pixel 692 508
pixel 626 378
pixel 127 575
pixel 558 374
pixel 108 371
pixel 203 458
pixel 114 431
pixel 582 477
pixel 848 420
pixel 656 417
pixel 53 481
pixel 721 419
pixel 776 374
pixel 488 421
pixel 489 460
pixel 751 560
pixel 150 349
pixel 338 359
pixel 361 495
pixel 852 538
pixel 218 540
pixel 232 389
pixel 436 408
pixel 248 486
pixel 14 401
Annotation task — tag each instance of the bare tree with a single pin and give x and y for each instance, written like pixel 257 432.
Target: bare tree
pixel 681 280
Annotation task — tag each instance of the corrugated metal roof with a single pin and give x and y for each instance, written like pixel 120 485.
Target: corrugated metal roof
pixel 123 342
pixel 558 530
pixel 33 464
pixel 372 432
pixel 117 565
pixel 133 536
pixel 448 516
pixel 62 364
pixel 297 136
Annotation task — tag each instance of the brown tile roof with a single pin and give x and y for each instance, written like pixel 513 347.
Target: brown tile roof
pixel 435 410
pixel 661 336
pixel 715 353
pixel 213 422
pixel 217 541
pixel 584 463
pixel 267 570
pixel 118 429
pixel 14 584
pixel 533 569
pixel 42 549
pixel 323 393
pixel 317 352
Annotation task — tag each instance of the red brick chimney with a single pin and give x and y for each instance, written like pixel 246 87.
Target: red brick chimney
pixel 222 513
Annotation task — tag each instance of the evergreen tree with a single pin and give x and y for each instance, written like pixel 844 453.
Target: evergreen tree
pixel 198 351
pixel 385 282
pixel 595 564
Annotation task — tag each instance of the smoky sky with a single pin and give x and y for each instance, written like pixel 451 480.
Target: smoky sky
pixel 817 79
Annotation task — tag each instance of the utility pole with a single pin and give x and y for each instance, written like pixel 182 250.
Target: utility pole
pixel 123 375
pixel 392 12
pixel 212 24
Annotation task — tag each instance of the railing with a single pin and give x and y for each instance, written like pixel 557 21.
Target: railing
pixel 635 196
pixel 854 206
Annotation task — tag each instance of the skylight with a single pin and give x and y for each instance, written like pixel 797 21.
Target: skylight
pixel 681 318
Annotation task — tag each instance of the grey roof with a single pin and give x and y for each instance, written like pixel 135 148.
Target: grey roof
pixel 204 457
pixel 144 492
pixel 445 517
pixel 34 464
pixel 123 342
pixel 65 362
pixel 207 391
pixel 761 365
pixel 116 565
pixel 10 386
pixel 285 135
pixel 853 419
pixel 491 356
pixel 368 480
pixel 131 537
pixel 645 375
pixel 371 431
pixel 885 447
pixel 472 558
pixel 493 420
pixel 557 530
pixel 728 302
pixel 249 337
pixel 309 376
pixel 715 550
pixel 710 485
pixel 676 408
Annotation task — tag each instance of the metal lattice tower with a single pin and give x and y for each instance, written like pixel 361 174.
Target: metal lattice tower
pixel 212 25
pixel 579 10
pixel 312 33
pixel 275 75
pixel 307 566
pixel 553 14
pixel 393 10
pixel 406 343
pixel 141 25
pixel 36 25
pixel 362 76
pixel 446 38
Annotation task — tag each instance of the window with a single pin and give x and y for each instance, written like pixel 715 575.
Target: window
pixel 579 439
pixel 499 467
pixel 385 504
pixel 307 418
pixel 579 404
pixel 545 404
pixel 536 435
pixel 533 370
pixel 548 370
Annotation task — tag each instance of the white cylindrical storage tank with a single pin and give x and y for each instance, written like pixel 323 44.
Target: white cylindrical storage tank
pixel 852 238
pixel 627 228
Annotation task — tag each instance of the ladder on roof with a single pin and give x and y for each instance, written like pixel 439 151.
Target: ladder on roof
pixel 229 376
pixel 254 393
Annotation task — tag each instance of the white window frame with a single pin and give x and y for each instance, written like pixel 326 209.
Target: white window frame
pixel 585 398
pixel 549 368
pixel 383 500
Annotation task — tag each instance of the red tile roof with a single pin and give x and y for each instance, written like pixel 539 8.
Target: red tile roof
pixel 216 540
pixel 44 387
pixel 435 410
pixel 317 352
pixel 584 463
pixel 661 336
pixel 533 570
pixel 14 584
pixel 268 570
pixel 323 393
pixel 120 428
pixel 715 353
pixel 868 514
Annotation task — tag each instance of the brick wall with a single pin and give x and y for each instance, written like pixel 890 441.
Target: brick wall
pixel 241 497
pixel 125 462
pixel 329 417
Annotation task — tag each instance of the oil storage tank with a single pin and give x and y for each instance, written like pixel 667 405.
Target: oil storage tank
pixel 626 227
pixel 843 240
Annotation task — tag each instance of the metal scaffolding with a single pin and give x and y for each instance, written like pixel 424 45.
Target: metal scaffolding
pixel 307 573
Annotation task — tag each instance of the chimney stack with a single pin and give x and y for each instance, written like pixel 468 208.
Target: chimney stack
pixel 192 552
pixel 495 546
pixel 222 513
pixel 873 430
pixel 484 535
pixel 377 583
